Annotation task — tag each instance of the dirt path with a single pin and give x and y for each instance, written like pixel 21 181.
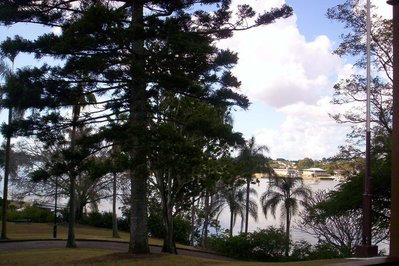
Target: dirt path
pixel 109 245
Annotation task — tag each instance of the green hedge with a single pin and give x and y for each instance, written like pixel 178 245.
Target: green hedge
pixel 34 214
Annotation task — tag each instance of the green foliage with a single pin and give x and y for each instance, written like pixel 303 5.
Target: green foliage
pixel 181 226
pixel 326 251
pixel 263 245
pixel 35 214
pixel 182 230
pixel 353 190
pixel 305 163
pixel 302 250
pixel 155 224
pixel 97 219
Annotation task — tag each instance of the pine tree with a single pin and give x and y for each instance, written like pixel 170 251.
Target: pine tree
pixel 124 52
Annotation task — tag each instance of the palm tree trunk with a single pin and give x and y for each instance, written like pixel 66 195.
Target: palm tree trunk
pixel 115 233
pixel 287 233
pixel 247 205
pixel 6 175
pixel 192 223
pixel 231 222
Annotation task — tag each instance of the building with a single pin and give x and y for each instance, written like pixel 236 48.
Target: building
pixel 318 173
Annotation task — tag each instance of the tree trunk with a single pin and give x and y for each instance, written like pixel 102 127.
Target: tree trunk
pixel 231 222
pixel 72 192
pixel 247 205
pixel 138 226
pixel 79 207
pixel 6 176
pixel 138 126
pixel 287 233
pixel 169 245
pixel 192 223
pixel 115 233
pixel 206 220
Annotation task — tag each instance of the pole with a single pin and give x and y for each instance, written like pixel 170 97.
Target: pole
pixel 366 249
pixel 367 196
pixel 394 229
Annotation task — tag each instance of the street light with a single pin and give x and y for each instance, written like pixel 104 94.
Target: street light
pixel 394 229
pixel 366 249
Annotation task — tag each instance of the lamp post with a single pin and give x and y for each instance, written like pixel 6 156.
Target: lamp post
pixel 366 249
pixel 394 229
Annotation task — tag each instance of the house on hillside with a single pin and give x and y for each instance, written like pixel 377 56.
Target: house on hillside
pixel 318 173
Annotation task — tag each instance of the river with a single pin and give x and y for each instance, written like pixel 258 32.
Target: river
pixel 263 222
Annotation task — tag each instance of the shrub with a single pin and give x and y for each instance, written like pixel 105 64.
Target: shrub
pixel 181 226
pixel 326 251
pixel 35 214
pixel 265 245
pixel 98 219
pixel 268 244
pixel 301 250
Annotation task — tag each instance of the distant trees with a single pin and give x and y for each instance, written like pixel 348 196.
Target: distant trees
pixel 305 163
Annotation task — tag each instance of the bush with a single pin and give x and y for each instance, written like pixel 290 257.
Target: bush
pixel 301 250
pixel 181 226
pixel 35 214
pixel 326 251
pixel 264 245
pixel 97 219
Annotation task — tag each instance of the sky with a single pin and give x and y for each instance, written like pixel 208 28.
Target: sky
pixel 287 70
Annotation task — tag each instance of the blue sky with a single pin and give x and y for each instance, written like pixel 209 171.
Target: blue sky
pixel 287 70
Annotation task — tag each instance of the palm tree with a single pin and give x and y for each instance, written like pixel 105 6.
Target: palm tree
pixel 233 195
pixel 288 192
pixel 251 161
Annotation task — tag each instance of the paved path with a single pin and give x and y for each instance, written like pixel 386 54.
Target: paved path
pixel 117 246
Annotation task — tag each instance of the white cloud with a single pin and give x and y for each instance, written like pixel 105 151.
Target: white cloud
pixel 383 9
pixel 307 131
pixel 279 67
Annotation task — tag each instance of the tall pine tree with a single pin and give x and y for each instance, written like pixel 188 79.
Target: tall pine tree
pixel 124 52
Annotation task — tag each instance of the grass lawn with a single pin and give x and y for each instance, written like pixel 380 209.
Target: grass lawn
pixel 35 231
pixel 83 256
pixel 86 256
